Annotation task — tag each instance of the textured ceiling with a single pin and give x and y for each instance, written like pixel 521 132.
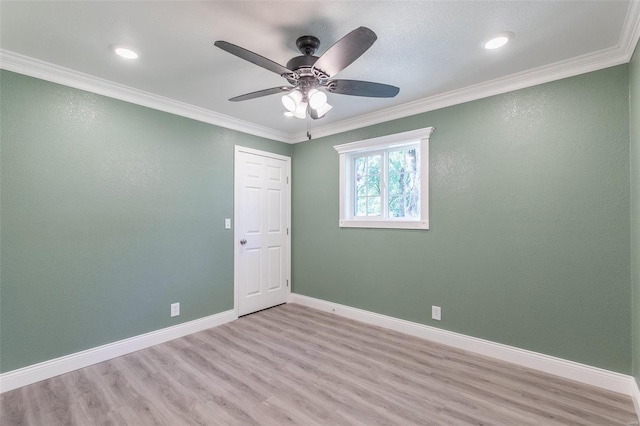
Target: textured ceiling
pixel 427 48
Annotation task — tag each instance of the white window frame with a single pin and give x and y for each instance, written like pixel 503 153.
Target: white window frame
pixel 348 151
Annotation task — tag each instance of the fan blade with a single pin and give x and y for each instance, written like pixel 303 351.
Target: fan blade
pixel 362 88
pixel 261 93
pixel 345 51
pixel 254 58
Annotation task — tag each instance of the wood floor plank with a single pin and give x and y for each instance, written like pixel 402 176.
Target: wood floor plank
pixel 415 367
pixel 292 365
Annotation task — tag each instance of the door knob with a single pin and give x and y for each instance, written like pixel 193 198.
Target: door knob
pixel 243 241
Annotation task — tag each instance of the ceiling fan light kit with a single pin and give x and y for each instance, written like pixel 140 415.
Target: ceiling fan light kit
pixel 314 102
pixel 311 77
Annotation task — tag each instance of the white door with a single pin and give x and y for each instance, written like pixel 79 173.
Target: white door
pixel 262 249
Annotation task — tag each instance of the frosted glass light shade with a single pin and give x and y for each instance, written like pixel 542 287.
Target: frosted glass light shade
pixel 291 100
pixel 317 99
pixel 301 110
pixel 322 111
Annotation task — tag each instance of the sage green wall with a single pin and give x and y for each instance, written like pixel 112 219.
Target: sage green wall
pixel 109 213
pixel 529 239
pixel 634 120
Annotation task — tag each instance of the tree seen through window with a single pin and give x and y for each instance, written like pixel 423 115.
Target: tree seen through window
pixel 388 184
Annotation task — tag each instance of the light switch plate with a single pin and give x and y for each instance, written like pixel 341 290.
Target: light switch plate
pixel 227 224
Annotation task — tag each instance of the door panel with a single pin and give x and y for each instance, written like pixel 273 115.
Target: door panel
pixel 262 211
pixel 274 211
pixel 275 269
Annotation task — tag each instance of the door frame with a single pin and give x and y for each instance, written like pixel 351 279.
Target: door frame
pixel 236 237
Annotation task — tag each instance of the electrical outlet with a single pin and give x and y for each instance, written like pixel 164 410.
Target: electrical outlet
pixel 175 309
pixel 436 313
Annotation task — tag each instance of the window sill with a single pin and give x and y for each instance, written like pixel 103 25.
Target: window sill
pixel 388 224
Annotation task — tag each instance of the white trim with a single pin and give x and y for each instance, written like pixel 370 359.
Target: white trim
pixel 545 74
pixel 630 30
pixel 268 154
pixel 387 141
pixel 635 395
pixel 15 62
pixel 594 376
pixel 236 219
pixel 605 58
pixel 384 224
pixel 594 61
pixel 47 369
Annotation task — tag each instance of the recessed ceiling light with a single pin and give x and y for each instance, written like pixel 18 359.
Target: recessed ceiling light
pixel 124 52
pixel 498 40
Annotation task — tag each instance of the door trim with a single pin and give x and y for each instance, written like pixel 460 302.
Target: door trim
pixel 236 238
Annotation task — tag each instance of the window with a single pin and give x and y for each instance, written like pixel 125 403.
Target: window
pixel 384 181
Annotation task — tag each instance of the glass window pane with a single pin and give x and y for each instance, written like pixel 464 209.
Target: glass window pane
pixel 395 161
pixel 412 208
pixel 395 183
pixel 360 167
pixel 411 159
pixel 361 206
pixel 374 207
pixel 403 184
pixel 373 185
pixel 396 207
pixel 404 160
pixel 373 164
pixel 361 189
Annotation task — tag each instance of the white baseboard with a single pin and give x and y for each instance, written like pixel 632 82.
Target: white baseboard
pixel 635 395
pixel 47 369
pixel 594 376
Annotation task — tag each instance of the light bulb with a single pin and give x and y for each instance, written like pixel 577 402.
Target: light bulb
pixel 291 100
pixel 125 53
pixel 301 110
pixel 498 40
pixel 317 99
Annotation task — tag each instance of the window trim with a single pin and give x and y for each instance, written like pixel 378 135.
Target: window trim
pixel 384 143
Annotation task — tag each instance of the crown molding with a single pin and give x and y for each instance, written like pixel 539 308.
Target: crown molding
pixel 616 55
pixel 583 64
pixel 630 29
pixel 21 64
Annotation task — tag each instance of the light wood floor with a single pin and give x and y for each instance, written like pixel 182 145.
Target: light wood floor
pixel 292 365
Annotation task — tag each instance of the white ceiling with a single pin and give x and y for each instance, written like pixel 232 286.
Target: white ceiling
pixel 431 50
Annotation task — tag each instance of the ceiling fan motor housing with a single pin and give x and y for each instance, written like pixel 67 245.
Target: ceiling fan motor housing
pixel 308 44
pixel 304 61
pixel 306 77
pixel 303 65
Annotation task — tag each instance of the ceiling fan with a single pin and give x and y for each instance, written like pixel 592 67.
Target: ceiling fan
pixel 311 77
